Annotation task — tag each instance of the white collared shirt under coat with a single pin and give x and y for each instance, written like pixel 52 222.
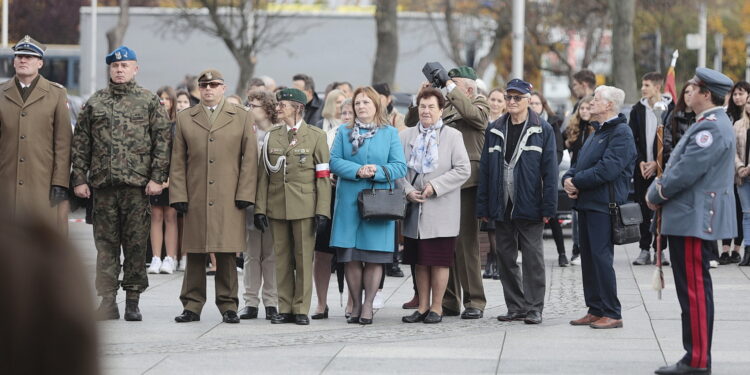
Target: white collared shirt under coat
pixel 440 214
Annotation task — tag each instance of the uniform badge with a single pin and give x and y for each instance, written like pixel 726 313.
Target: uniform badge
pixel 711 117
pixel 302 159
pixel 118 55
pixel 704 139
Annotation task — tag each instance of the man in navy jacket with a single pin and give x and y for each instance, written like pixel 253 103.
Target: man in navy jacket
pixel 518 190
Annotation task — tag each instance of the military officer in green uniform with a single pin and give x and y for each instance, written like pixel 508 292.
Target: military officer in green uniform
pixel 469 113
pixel 121 150
pixel 294 192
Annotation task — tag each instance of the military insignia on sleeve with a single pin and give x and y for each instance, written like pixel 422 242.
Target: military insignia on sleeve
pixel 704 139
pixel 711 117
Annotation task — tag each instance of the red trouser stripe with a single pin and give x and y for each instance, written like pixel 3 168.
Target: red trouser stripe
pixel 697 301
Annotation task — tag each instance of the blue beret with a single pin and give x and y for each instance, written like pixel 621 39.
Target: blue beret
pixel 29 47
pixel 519 85
pixel 122 53
pixel 716 82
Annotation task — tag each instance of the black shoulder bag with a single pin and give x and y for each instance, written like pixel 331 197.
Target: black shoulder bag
pixel 382 204
pixel 626 219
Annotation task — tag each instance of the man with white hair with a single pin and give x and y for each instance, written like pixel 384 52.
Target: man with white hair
pixel 603 170
pixel 469 113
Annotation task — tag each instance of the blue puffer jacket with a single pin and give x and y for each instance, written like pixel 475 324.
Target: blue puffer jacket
pixel 607 156
pixel 535 174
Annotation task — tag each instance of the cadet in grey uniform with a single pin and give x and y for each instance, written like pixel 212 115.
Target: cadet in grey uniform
pixel 697 200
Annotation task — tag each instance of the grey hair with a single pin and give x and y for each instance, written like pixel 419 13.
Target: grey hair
pixel 469 83
pixel 611 94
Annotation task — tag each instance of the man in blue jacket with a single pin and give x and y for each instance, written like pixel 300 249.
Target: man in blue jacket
pixel 518 190
pixel 696 195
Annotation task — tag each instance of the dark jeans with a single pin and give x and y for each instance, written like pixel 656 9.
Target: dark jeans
pixel 597 256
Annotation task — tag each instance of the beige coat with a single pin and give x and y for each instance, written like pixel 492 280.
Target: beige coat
pixel 212 167
pixel 740 130
pixel 440 214
pixel 34 147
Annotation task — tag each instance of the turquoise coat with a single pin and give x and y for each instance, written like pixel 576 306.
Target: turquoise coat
pixel 384 150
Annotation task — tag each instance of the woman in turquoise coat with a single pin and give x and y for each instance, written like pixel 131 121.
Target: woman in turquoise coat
pixel 360 153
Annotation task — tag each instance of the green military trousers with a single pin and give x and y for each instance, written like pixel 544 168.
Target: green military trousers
pixel 122 218
pixel 193 294
pixel 294 243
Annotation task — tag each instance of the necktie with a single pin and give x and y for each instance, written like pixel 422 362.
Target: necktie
pixel 290 135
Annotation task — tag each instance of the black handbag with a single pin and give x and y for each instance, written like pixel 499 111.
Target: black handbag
pixel 382 204
pixel 626 219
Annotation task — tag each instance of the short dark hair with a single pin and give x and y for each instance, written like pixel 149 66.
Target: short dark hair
pixel 432 92
pixel 309 83
pixel 586 76
pixel 255 81
pixel 343 83
pixel 715 99
pixel 654 77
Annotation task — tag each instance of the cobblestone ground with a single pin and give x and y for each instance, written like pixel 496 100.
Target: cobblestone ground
pixel 650 338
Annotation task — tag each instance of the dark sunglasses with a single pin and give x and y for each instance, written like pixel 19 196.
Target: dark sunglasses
pixel 212 85
pixel 515 98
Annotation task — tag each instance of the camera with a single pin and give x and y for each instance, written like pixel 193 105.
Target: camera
pixel 435 74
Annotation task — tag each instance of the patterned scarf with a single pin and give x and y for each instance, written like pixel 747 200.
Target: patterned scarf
pixel 424 149
pixel 358 139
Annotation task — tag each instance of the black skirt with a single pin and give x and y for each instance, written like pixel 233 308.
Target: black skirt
pixel 161 200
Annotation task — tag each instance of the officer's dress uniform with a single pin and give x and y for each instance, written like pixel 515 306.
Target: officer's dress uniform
pixel 214 164
pixel 35 137
pixel 291 196
pixel 698 205
pixel 122 140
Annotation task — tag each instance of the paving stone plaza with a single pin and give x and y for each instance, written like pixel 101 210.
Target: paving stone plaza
pixel 650 337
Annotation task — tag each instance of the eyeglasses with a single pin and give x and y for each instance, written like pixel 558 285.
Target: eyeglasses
pixel 515 98
pixel 212 85
pixel 251 105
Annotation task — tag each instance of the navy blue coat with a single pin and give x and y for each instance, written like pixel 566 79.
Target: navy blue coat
pixel 535 174
pixel 607 156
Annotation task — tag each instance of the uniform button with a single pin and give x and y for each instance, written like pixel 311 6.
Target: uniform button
pixel 210 139
pixel 211 161
pixel 713 195
pixel 711 212
pixel 211 182
pixel 22 160
pixel 710 230
pixel 211 203
pixel 23 137
pixel 23 114
pixel 20 182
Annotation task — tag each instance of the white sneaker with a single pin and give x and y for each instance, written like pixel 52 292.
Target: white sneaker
pixel 155 264
pixel 575 260
pixel 378 302
pixel 713 263
pixel 183 264
pixel 167 266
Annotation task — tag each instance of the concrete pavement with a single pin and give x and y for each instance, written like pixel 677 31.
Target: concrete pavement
pixel 650 337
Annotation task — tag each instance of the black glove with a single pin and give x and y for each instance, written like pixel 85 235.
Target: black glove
pixel 58 194
pixel 181 207
pixel 261 222
pixel 242 204
pixel 320 222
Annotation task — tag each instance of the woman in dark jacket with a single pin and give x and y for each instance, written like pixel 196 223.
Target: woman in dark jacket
pixel 605 162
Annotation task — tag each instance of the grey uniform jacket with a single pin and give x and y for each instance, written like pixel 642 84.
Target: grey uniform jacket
pixel 696 187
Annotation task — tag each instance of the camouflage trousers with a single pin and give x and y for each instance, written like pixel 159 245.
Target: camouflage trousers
pixel 122 217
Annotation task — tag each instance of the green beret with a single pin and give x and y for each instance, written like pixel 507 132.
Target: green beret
pixel 463 72
pixel 292 94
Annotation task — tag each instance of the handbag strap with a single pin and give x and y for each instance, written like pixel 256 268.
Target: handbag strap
pixel 612 203
pixel 387 177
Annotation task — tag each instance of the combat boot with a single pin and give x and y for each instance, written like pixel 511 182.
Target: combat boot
pixel 745 257
pixel 108 309
pixel 132 312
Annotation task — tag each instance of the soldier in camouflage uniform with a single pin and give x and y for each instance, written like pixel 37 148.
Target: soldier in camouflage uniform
pixel 121 149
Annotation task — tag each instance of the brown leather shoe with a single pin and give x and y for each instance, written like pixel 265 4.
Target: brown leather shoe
pixel 606 323
pixel 586 320
pixel 413 304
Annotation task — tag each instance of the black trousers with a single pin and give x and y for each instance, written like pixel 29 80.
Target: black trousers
pixel 597 257
pixel 692 281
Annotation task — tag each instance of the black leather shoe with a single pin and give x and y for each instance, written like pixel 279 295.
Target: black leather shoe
pixel 533 317
pixel 735 257
pixel 249 312
pixel 432 318
pixel 365 321
pixel 415 317
pixel 282 318
pixel 271 312
pixel 562 260
pixel 511 316
pixel 394 271
pixel 724 259
pixel 323 315
pixel 187 316
pixel 301 319
pixel 450 312
pixel 230 316
pixel 680 368
pixel 745 257
pixel 108 309
pixel 352 319
pixel 472 313
pixel 132 312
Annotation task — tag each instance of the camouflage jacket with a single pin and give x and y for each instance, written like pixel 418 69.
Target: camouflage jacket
pixel 122 137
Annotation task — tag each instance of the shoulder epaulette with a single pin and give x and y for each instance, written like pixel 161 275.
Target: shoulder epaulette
pixel 57 85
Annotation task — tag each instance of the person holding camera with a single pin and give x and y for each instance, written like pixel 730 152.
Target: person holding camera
pixel 468 113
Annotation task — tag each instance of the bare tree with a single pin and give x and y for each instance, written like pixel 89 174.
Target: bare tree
pixel 245 29
pixel 623 57
pixel 116 34
pixel 386 52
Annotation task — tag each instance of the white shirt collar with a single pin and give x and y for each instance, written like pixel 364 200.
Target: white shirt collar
pixel 296 126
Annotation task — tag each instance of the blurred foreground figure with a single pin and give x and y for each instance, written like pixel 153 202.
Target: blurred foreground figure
pixel 32 342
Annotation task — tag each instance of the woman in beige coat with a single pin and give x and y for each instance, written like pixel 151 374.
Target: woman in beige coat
pixel 438 165
pixel 741 129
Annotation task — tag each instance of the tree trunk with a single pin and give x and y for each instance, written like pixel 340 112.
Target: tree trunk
pixel 247 69
pixel 623 58
pixel 116 34
pixel 386 52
